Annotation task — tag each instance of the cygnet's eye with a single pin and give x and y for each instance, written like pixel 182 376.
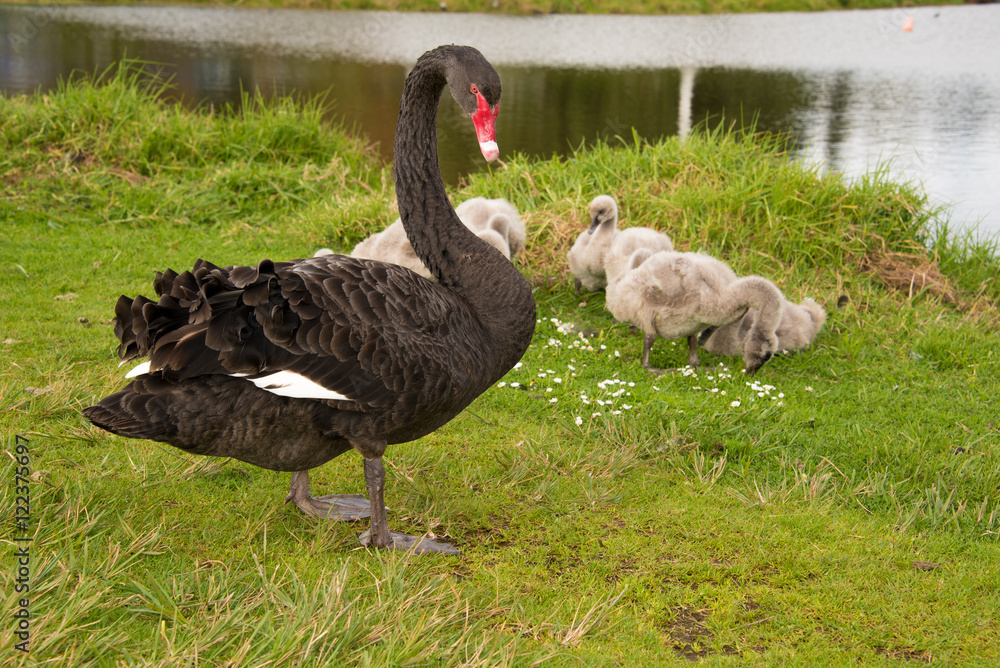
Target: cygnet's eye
pixel 474 89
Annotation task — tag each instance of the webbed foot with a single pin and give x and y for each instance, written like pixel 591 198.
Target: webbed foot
pixel 407 543
pixel 336 507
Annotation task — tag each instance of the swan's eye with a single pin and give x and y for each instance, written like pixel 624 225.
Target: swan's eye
pixel 474 89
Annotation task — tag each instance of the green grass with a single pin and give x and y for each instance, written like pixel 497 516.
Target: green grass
pixel 574 7
pixel 791 529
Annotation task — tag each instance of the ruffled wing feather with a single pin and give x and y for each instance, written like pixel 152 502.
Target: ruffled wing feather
pixel 368 331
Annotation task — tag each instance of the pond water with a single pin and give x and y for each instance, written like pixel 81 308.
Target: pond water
pixel 854 89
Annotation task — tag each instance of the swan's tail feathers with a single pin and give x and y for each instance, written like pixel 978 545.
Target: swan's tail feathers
pixel 208 320
pixel 124 331
pixel 133 412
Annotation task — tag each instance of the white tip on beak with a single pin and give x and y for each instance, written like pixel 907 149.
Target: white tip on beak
pixel 490 150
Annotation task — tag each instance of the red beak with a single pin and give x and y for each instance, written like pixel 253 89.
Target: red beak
pixel 485 119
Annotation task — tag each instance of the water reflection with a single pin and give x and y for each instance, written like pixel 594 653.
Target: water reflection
pixel 684 103
pixel 936 116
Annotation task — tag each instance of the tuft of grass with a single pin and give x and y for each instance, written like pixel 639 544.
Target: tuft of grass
pixel 113 133
pixel 836 509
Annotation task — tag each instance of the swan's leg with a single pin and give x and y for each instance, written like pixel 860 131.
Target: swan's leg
pixel 379 535
pixel 647 345
pixel 339 507
pixel 693 360
pixel 577 285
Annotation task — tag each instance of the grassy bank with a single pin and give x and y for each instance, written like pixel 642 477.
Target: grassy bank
pixel 574 7
pixel 842 508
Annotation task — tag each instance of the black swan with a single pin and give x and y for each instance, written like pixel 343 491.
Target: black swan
pixel 287 365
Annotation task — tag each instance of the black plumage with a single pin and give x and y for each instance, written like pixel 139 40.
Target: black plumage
pixel 397 355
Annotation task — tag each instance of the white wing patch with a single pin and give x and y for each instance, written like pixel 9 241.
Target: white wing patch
pixel 140 370
pixel 281 383
pixel 291 384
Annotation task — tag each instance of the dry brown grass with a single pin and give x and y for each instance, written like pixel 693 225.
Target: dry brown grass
pixel 552 231
pixel 914 272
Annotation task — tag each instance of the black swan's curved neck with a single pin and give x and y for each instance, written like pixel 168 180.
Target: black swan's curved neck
pixel 431 224
pixel 455 256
